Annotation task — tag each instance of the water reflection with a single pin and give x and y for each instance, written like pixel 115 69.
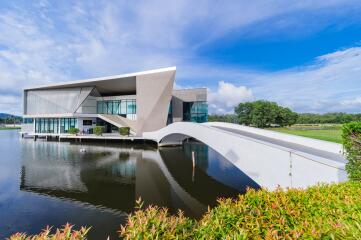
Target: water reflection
pixel 96 185
pixel 112 178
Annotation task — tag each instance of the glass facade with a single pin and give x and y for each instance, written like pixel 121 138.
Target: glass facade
pixel 66 124
pixel 54 125
pixel 46 125
pixel 28 120
pixel 117 107
pixel 195 111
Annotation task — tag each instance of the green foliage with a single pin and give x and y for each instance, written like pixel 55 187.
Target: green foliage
pixel 65 233
pixel 10 119
pixel 156 223
pixel 9 128
pixel 124 131
pixel 98 130
pixel 264 114
pixel 313 118
pixel 351 139
pixel 319 212
pixel 73 130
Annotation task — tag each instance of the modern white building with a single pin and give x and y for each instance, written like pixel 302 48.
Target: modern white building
pixel 143 101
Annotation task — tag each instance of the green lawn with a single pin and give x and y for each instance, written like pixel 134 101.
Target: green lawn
pixel 9 128
pixel 331 133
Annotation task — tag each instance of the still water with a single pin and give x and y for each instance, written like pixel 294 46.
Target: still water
pixel 51 183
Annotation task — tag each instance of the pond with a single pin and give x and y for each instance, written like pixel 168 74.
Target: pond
pixel 51 183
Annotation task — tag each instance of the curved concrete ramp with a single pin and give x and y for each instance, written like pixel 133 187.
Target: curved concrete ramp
pixel 270 161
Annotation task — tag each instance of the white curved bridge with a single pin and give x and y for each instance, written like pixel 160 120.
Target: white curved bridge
pixel 271 159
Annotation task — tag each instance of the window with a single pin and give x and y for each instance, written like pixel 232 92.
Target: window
pixel 87 122
pixel 117 107
pixel 66 124
pixel 131 106
pixel 28 120
pixel 195 111
pixel 46 125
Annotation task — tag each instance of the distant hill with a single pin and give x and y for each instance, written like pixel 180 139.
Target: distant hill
pixel 6 115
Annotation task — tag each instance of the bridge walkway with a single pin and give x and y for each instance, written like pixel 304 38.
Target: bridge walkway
pixel 296 147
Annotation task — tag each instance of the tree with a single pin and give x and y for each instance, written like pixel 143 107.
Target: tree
pixel 285 117
pixel 263 114
pixel 244 111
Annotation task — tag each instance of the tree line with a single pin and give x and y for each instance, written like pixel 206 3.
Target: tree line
pixel 11 120
pixel 263 114
pixel 338 117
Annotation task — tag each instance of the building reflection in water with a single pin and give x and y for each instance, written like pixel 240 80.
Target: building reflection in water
pixel 111 178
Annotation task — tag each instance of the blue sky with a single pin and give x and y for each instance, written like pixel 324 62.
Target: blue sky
pixel 305 55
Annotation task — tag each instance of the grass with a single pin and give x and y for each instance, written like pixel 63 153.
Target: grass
pixel 331 133
pixel 9 128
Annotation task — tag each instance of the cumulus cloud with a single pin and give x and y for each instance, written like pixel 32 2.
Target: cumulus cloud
pixel 320 87
pixel 227 96
pixel 356 102
pixel 57 41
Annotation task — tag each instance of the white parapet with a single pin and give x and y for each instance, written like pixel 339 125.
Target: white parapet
pixel 268 164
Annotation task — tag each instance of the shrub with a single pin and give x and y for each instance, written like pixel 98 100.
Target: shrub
pixel 65 233
pixel 319 212
pixel 124 131
pixel 351 139
pixel 98 130
pixel 73 130
pixel 156 223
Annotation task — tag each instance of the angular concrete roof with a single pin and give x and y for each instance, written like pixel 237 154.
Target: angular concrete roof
pixel 124 83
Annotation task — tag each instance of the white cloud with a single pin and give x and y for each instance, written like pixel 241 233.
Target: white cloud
pixel 55 41
pixel 10 103
pixel 227 96
pixel 320 87
pixel 356 102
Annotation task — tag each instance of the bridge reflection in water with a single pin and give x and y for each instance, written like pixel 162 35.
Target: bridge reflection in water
pixel 111 178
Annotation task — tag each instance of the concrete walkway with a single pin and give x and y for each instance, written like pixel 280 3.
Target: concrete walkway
pixel 293 146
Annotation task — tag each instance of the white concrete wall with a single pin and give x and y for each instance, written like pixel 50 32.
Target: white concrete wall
pixel 55 101
pixel 309 142
pixel 267 164
pixel 89 106
pixel 81 127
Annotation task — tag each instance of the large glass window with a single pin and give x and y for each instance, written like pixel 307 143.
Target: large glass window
pixel 195 111
pixel 67 123
pixel 117 107
pixel 131 106
pixel 46 125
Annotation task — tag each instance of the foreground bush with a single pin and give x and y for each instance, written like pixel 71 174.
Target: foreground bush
pixel 320 212
pixel 98 130
pixel 156 223
pixel 124 131
pixel 73 131
pixel 351 139
pixel 65 233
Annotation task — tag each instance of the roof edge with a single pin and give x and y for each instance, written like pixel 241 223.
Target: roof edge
pixel 90 80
